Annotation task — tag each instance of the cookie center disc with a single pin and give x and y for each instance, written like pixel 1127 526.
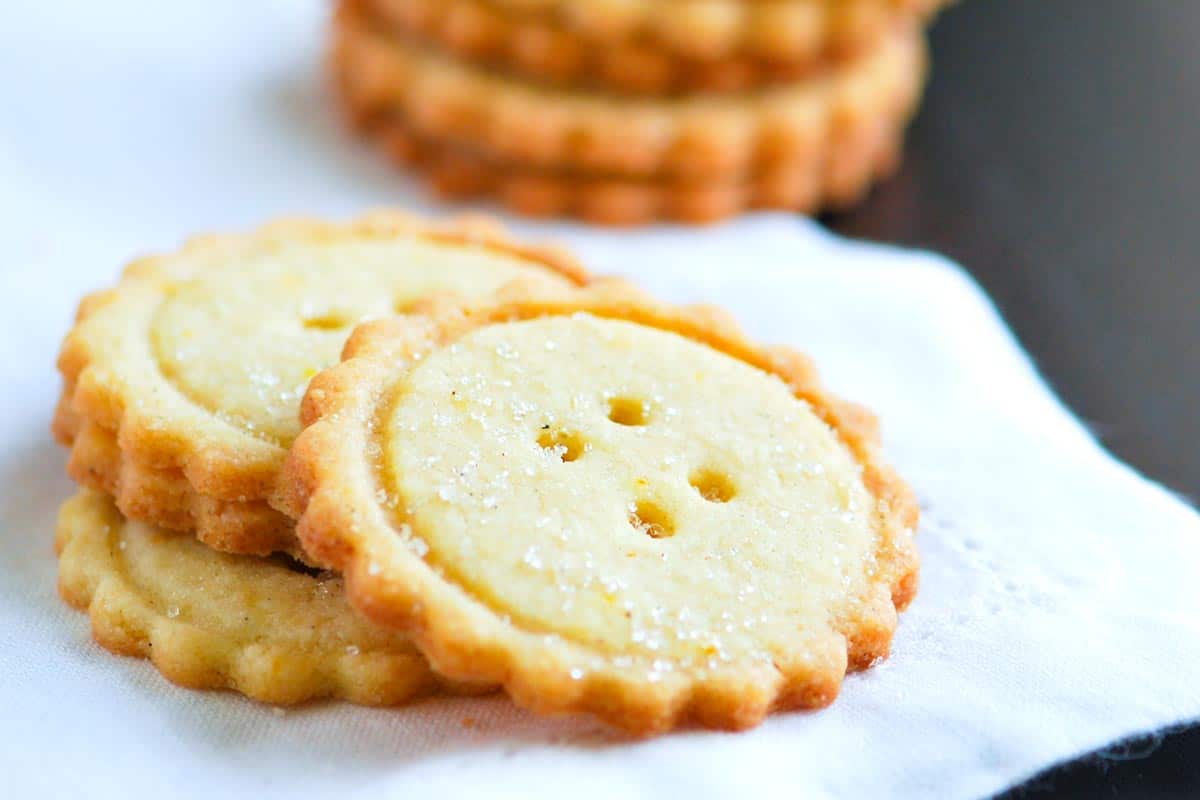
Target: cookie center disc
pixel 243 336
pixel 626 488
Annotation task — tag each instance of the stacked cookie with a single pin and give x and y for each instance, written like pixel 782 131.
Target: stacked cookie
pixel 517 476
pixel 626 111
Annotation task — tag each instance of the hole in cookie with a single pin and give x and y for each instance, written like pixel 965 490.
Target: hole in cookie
pixel 651 519
pixel 713 486
pixel 568 445
pixel 329 321
pixel 628 411
pixel 406 305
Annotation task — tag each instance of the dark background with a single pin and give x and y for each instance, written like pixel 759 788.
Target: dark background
pixel 1058 159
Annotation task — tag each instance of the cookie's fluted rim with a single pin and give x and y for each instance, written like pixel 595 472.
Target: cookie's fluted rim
pixel 840 178
pixel 163 497
pixel 213 474
pixel 795 40
pixel 328 485
pixel 773 30
pixel 259 665
pixel 693 137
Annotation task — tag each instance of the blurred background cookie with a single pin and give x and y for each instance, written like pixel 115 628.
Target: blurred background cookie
pixel 558 107
pixel 838 178
pixel 653 47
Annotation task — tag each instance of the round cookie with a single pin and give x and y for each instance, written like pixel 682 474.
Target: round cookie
pixel 186 377
pixel 843 175
pixel 210 620
pixel 800 37
pixel 605 505
pixel 773 30
pixel 697 138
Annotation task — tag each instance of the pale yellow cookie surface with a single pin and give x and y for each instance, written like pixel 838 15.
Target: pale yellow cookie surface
pixel 242 340
pixel 607 505
pixel 214 620
pixel 628 489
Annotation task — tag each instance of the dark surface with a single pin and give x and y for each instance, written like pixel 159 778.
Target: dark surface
pixel 1058 159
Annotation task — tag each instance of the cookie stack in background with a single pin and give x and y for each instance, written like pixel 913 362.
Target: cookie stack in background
pixel 629 111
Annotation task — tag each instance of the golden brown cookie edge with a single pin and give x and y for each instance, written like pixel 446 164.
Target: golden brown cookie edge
pixel 543 46
pixel 322 487
pixel 516 122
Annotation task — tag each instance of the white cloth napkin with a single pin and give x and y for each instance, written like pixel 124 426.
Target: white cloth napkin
pixel 1058 599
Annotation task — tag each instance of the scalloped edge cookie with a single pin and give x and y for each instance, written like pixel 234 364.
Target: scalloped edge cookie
pixel 697 138
pixel 777 30
pixel 540 46
pixel 127 619
pixel 163 471
pixel 846 173
pixel 165 498
pixel 329 486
